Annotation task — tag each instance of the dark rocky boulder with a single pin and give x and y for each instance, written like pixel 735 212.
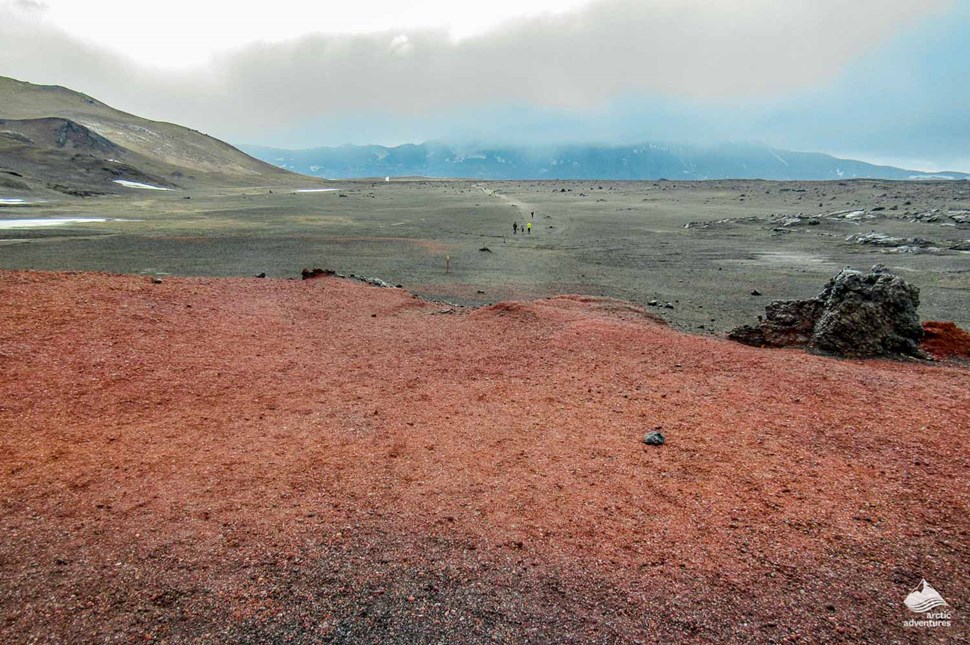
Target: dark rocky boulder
pixel 857 314
pixel 869 314
pixel 309 274
pixel 787 323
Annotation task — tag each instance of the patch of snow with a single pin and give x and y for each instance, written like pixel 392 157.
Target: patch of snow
pixel 794 258
pixel 778 157
pixel 318 190
pixel 53 221
pixel 461 158
pixel 850 215
pixel 136 184
pixel 12 200
pixel 929 177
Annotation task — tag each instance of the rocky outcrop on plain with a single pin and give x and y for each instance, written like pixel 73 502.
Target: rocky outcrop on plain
pixel 310 274
pixel 894 244
pixel 785 222
pixel 857 314
pixel 960 217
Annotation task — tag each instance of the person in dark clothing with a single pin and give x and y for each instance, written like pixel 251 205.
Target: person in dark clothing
pixel 515 228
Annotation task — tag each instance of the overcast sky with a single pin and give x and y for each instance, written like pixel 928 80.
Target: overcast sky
pixel 881 80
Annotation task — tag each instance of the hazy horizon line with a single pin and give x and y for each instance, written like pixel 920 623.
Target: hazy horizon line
pixel 899 164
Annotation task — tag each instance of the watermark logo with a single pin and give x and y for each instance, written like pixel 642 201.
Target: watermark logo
pixel 923 600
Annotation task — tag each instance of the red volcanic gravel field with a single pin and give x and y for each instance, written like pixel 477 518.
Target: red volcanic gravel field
pixel 276 460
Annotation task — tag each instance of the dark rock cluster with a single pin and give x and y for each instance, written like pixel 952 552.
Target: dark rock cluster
pixel 857 314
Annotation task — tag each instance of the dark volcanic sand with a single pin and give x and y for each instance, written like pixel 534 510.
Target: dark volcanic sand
pixel 263 460
pixel 622 240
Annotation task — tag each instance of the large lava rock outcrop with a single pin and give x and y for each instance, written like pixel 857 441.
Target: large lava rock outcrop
pixel 857 314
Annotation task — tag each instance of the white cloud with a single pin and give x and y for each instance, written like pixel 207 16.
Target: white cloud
pixel 580 59
pixel 181 34
pixel 401 45
pixel 29 6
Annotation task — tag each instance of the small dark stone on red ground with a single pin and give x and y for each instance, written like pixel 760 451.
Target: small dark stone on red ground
pixel 655 438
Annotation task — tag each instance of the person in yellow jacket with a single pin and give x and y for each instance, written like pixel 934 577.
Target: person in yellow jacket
pixel 528 227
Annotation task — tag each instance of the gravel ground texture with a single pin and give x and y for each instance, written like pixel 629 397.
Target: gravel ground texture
pixel 275 460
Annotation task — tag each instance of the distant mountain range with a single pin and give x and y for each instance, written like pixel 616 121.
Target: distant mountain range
pixel 647 161
pixel 54 140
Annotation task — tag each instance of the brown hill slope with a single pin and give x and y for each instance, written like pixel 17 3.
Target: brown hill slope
pixel 266 460
pixel 171 153
pixel 61 155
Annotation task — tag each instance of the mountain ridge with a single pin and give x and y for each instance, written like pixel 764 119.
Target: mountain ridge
pixel 645 161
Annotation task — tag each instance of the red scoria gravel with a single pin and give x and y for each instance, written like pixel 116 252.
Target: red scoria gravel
pixel 945 340
pixel 274 460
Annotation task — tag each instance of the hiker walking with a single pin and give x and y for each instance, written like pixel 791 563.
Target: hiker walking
pixel 529 227
pixel 515 228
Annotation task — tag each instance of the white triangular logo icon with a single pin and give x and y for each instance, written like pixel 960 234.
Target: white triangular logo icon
pixel 924 598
